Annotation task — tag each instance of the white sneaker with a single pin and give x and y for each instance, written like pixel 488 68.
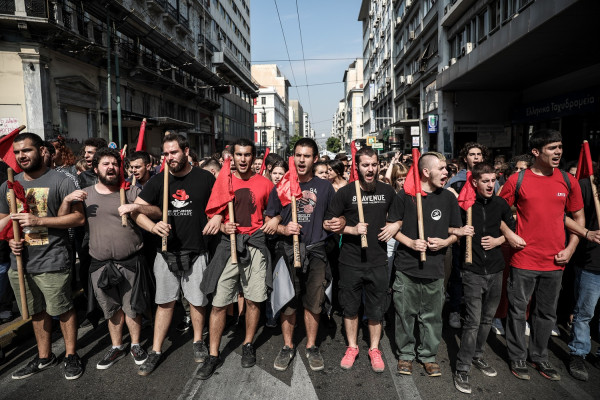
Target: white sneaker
pixel 454 320
pixel 497 327
pixel 527 329
pixel 555 331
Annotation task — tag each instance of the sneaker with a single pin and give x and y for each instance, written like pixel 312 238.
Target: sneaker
pixel 315 359
pixel 555 331
pixel 283 359
pixel 112 356
pixel 519 369
pixel 348 359
pixel 139 354
pixel 461 382
pixel 184 325
pixel 73 367
pixel 377 364
pixel 577 368
pixel 209 367
pixel 432 369
pixel 484 367
pixel 497 327
pixel 546 370
pixel 150 364
pixel 527 328
pixel 271 323
pixel 34 366
pixel 454 320
pixel 248 355
pixel 200 351
pixel 404 367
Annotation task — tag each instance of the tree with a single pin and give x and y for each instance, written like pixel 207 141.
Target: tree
pixel 333 144
pixel 293 141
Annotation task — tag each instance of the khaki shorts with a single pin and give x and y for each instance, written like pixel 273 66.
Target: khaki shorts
pixel 247 278
pixel 47 291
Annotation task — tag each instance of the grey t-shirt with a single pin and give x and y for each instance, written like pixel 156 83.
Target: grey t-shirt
pixel 109 239
pixel 46 249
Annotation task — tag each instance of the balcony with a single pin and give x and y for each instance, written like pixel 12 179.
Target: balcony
pixel 171 15
pixel 157 6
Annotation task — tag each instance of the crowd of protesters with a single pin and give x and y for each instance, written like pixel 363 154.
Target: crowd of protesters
pixel 372 239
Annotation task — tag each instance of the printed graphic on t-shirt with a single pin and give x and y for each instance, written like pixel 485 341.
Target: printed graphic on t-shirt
pixel 436 214
pixel 371 199
pixel 245 204
pixel 180 200
pixel 306 205
pixel 37 199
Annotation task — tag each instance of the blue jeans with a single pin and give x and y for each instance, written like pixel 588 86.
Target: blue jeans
pixel 3 278
pixel 587 294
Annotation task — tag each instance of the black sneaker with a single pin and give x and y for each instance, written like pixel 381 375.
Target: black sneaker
pixel 112 356
pixel 248 355
pixel 546 370
pixel 139 354
pixel 185 325
pixel 519 369
pixel 209 367
pixel 315 359
pixel 34 366
pixel 200 351
pixel 461 382
pixel 73 367
pixel 484 367
pixel 283 359
pixel 150 364
pixel 577 368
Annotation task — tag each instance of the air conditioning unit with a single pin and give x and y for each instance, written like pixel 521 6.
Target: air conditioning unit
pixel 371 36
pixel 445 67
pixel 388 81
pixel 371 13
pixel 402 79
pixel 453 61
pixel 411 35
pixel 398 21
pixel 408 3
pixel 373 77
pixel 409 79
pixel 278 126
pixel 467 48
pixel 384 3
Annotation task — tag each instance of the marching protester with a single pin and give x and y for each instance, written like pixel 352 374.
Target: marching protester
pixel 181 266
pixel 364 270
pixel 142 168
pixel 44 250
pixel 223 277
pixel 537 268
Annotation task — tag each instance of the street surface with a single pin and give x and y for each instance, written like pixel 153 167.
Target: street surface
pixel 175 376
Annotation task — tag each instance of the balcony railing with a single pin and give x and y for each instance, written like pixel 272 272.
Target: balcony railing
pixel 36 8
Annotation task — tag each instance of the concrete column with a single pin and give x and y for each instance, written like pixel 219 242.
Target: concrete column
pixel 32 78
pixel 446 116
pixel 20 8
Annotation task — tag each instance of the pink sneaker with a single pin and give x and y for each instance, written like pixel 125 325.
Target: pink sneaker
pixel 376 360
pixel 349 357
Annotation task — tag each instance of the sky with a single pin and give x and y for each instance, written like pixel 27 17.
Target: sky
pixel 330 30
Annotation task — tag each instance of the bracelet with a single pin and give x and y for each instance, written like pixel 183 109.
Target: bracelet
pixel 588 231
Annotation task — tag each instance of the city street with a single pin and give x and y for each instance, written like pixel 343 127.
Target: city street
pixel 175 376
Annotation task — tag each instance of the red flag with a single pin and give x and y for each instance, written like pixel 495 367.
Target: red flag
pixel 7 233
pixel 123 183
pixel 412 185
pixel 585 168
pixel 353 169
pixel 141 146
pixel 222 192
pixel 262 167
pixel 162 165
pixel 289 186
pixel 467 195
pixel 6 149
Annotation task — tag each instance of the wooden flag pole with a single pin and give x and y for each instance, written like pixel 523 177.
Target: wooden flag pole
pixel 17 235
pixel 122 191
pixel 234 259
pixel 595 196
pixel 420 223
pixel 297 263
pixel 469 243
pixel 361 214
pixel 165 209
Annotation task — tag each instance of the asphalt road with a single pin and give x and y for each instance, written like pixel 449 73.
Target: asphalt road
pixel 175 376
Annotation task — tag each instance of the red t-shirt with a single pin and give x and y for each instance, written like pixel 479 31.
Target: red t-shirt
pixel 251 198
pixel 543 200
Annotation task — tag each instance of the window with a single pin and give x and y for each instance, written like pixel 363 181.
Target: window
pixel 482 25
pixel 494 11
pixel 263 100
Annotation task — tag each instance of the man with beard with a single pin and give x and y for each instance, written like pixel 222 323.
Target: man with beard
pixel 225 280
pixel 181 267
pixel 45 252
pixel 364 270
pixel 419 286
pixel 311 280
pixel 114 251
pixel 142 168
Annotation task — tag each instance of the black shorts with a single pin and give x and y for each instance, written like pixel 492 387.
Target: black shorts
pixel 373 280
pixel 309 287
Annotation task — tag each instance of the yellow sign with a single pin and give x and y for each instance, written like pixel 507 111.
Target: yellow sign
pixel 371 140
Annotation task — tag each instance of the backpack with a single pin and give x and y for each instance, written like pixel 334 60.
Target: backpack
pixel 522 175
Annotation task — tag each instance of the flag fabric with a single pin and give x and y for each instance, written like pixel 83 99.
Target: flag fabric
pixel 8 233
pixel 123 183
pixel 412 185
pixel 141 146
pixel 263 166
pixel 222 192
pixel 162 165
pixel 467 195
pixel 289 186
pixel 283 288
pixel 6 149
pixel 585 168
pixel 354 167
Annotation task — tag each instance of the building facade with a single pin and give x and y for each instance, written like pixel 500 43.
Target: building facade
pixel 183 65
pixel 353 104
pixel 296 118
pixel 270 121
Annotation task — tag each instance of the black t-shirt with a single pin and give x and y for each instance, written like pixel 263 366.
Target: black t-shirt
pixel 4 249
pixel 188 196
pixel 316 196
pixel 440 211
pixel 588 253
pixel 378 209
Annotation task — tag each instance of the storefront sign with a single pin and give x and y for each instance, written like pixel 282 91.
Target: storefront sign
pixel 433 123
pixel 556 107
